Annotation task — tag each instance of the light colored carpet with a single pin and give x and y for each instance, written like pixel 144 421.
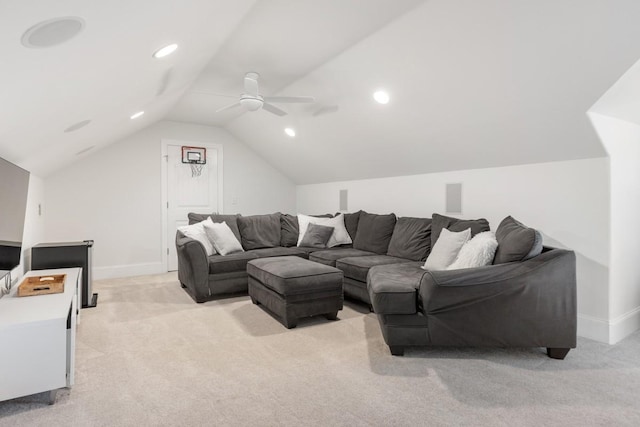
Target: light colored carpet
pixel 148 355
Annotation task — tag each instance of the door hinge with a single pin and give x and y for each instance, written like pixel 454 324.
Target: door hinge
pixel 167 205
pixel 167 251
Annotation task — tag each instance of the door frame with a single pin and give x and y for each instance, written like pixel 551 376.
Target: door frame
pixel 164 176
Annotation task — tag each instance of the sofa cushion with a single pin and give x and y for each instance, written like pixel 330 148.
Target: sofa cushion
pixel 294 276
pixel 260 231
pixel 455 224
pixel 231 220
pixel 197 232
pixel 357 267
pixel 446 249
pixel 351 222
pixel 222 238
pixel 393 289
pixel 411 239
pixel 278 251
pixel 374 232
pixel 230 263
pixel 516 241
pixel 316 236
pixel 329 256
pixel 477 252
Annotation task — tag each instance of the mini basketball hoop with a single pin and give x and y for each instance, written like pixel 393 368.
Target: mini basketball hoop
pixel 196 158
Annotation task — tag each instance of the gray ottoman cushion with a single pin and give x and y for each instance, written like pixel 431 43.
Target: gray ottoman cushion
pixel 294 275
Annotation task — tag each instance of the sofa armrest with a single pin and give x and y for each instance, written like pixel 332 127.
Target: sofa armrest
pixel 530 303
pixel 193 267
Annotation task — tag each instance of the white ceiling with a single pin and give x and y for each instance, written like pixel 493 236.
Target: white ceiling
pixel 473 84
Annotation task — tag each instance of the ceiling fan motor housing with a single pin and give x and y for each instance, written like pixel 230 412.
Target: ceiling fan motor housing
pixel 251 103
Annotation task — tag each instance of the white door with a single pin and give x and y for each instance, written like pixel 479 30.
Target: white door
pixel 188 192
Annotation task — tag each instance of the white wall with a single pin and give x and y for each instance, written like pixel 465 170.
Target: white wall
pixel 113 195
pixel 568 201
pixel 622 141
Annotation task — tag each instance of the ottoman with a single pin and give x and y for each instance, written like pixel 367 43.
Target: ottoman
pixel 291 287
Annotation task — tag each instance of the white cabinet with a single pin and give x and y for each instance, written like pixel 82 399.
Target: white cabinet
pixel 38 337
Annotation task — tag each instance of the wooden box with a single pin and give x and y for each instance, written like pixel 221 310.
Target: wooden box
pixel 42 285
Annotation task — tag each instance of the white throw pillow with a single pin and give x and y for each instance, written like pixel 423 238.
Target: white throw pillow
pixel 340 234
pixel 196 232
pixel 477 252
pixel 223 238
pixel 446 249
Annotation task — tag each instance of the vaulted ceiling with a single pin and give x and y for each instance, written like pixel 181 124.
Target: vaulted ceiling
pixel 472 83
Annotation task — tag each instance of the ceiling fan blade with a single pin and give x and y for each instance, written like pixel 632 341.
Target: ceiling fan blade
pixel 251 84
pixel 273 109
pixel 290 99
pixel 326 110
pixel 228 107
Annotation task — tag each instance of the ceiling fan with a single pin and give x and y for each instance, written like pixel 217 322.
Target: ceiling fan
pixel 251 99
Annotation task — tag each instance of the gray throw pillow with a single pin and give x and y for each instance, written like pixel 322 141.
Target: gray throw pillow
pixel 289 229
pixel 455 224
pixel 230 220
pixel 316 236
pixel 374 232
pixel 516 242
pixel 259 231
pixel 411 239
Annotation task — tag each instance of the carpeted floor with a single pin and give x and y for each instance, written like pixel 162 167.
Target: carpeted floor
pixel 148 355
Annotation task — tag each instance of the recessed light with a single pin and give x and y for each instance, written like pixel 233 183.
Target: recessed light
pixel 136 115
pixel 77 126
pixel 165 51
pixel 52 32
pixel 381 97
pixel 289 131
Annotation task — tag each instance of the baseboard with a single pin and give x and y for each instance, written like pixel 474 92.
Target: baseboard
pixel 625 325
pixel 593 328
pixel 116 271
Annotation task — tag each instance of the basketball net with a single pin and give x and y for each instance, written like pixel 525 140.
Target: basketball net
pixel 196 169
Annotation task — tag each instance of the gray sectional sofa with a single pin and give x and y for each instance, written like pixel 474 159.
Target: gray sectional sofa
pixel 526 298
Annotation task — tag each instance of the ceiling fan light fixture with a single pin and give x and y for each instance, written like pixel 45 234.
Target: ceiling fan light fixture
pixel 251 103
pixel 381 96
pixel 290 132
pixel 165 51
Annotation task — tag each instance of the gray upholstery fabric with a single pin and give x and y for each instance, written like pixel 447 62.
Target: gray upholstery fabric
pixel 357 268
pixel 288 230
pixel 293 275
pixel 259 231
pixel 230 263
pixel 411 239
pixel 455 224
pixel 516 242
pixel 329 256
pixel 351 223
pixel 231 220
pixel 356 290
pixel 316 236
pixel 527 304
pixel 279 251
pixel 374 232
pixel 393 289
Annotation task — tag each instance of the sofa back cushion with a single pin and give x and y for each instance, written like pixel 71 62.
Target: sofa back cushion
pixel 374 232
pixel 340 235
pixel 231 220
pixel 516 242
pixel 259 231
pixel 351 222
pixel 411 239
pixel 440 222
